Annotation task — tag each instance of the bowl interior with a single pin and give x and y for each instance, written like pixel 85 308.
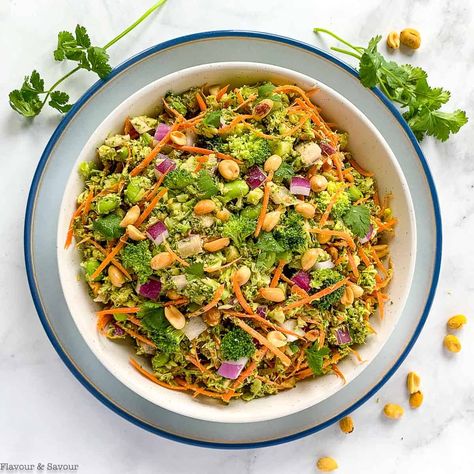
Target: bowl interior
pixel 370 150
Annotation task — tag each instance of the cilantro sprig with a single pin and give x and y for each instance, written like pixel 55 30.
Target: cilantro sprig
pixel 357 218
pixel 77 48
pixel 407 86
pixel 315 358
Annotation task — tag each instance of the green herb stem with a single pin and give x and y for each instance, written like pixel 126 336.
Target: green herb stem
pixel 59 81
pixel 344 51
pixel 359 49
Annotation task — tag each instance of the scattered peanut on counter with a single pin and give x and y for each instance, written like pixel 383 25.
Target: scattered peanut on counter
pixel 326 464
pixel 346 424
pixel 393 411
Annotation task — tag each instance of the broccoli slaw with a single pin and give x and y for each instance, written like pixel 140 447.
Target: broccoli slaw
pixel 234 240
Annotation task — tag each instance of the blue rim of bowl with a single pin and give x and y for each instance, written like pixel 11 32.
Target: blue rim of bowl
pixel 31 203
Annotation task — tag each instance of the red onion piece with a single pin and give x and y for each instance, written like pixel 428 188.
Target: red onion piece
pixel 255 177
pixel 300 185
pixel 367 236
pixel 302 279
pixel 118 331
pixel 324 265
pixel 151 289
pixel 194 327
pixel 327 149
pixel 157 233
pixel 262 311
pixel 343 335
pixel 161 130
pixel 230 369
pixel 163 164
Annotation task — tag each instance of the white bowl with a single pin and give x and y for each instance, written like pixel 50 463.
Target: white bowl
pixel 370 150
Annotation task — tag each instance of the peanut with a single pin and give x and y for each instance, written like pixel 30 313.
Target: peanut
pixel 410 38
pixel 305 209
pixel 356 290
pixel 161 260
pixel 277 338
pixel 312 335
pixel 323 239
pixel 216 245
pixel 413 382
pixel 229 170
pixel 393 40
pixel 212 317
pixel 205 206
pixel 262 109
pixel 310 257
pixel 416 399
pixel 271 220
pixel 223 215
pixel 393 411
pixel 243 275
pixel 175 317
pixel 272 163
pixel 134 233
pixel 346 424
pixel 348 297
pixel 117 278
pixel 326 464
pixel 130 217
pixel 457 322
pixel 452 343
pixel 179 138
pixel 276 295
pixel 318 183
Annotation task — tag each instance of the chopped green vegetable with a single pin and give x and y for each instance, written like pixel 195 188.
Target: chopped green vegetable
pixel 238 229
pixel 357 218
pixel 237 344
pixel 109 226
pixel 315 358
pixel 178 179
pixel 206 185
pixel 137 257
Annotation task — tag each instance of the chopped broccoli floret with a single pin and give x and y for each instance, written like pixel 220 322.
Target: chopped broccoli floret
pixel 108 203
pixel 340 207
pixel 136 257
pixel 290 234
pixel 249 148
pixel 206 185
pixel 200 290
pixel 238 229
pixel 210 123
pixel 237 344
pixel 183 103
pixel 178 179
pixel 367 278
pixel 321 279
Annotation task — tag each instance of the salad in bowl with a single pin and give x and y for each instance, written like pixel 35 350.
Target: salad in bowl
pixel 234 241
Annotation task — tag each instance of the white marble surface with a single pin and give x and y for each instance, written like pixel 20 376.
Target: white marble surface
pixel 47 416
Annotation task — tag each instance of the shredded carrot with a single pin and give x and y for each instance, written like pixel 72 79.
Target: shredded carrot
pixel 352 264
pixel 277 274
pixel 377 199
pixel 239 95
pixel 361 200
pixel 205 151
pixel 329 207
pixel 379 264
pixel 108 258
pixel 243 103
pixel 364 257
pixel 380 302
pixel 70 231
pixel 102 321
pixel 338 164
pixel 338 372
pixel 297 90
pixel 152 155
pixel 196 363
pixel 294 287
pixel 113 261
pixel 387 225
pixel 151 377
pixel 178 302
pixel 233 123
pixel 336 233
pixel 359 169
pixel 264 341
pixel 172 111
pixel 356 354
pixel 156 186
pixel 316 296
pixel 218 269
pixel 136 335
pixel 215 299
pixel 147 211
pixel 263 210
pixel 118 311
pixel 239 295
pixel 134 320
pixel 198 390
pixel 175 255
pixel 304 374
pixel 87 206
pixel 244 374
pixel 201 102
pixel 221 92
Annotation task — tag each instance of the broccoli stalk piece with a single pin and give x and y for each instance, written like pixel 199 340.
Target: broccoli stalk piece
pixel 137 257
pixel 237 344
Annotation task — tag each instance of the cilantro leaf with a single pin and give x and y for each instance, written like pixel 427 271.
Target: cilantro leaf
pixel 370 63
pixel 213 118
pixel 268 243
pixel 25 104
pixel 196 269
pixel 436 123
pixel 206 185
pixel 99 61
pixel 66 46
pixel 59 101
pixel 315 358
pixel 82 38
pixel 357 218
